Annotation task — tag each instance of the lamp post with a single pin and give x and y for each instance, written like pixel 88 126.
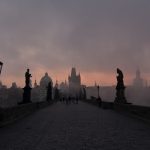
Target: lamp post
pixel 98 90
pixel 99 98
pixel 1 66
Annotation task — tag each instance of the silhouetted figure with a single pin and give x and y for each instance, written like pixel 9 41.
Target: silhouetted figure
pixel 80 93
pixel 27 88
pixel 77 99
pixel 120 88
pixel 84 94
pixel 69 100
pixel 49 92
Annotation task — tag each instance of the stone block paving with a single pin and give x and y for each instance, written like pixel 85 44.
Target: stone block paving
pixel 75 127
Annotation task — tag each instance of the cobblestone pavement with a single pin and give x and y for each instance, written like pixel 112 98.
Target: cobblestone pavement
pixel 75 127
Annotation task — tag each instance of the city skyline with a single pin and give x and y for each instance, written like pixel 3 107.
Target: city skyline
pixel 129 80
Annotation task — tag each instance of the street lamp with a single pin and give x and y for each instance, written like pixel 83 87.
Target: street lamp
pixel 98 90
pixel 1 65
pixel 99 98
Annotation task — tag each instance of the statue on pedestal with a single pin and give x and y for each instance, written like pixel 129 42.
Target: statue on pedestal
pixel 27 88
pixel 120 88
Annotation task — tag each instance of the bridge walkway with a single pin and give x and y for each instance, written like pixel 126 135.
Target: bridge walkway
pixel 75 127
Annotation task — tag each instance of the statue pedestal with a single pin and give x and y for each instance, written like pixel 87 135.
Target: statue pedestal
pixel 120 96
pixel 27 94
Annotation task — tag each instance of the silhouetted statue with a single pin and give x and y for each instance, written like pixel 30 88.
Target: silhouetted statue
pixel 120 88
pixel 27 88
pixel 27 78
pixel 49 92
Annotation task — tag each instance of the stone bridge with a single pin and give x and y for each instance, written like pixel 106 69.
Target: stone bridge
pixel 75 127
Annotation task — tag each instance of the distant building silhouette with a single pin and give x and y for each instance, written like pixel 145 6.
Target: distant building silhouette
pixel 74 83
pixel 56 92
pixel 2 86
pixel 43 86
pixel 10 97
pixel 63 89
pixel 36 92
pixel 14 85
pixel 138 81
pixel 14 95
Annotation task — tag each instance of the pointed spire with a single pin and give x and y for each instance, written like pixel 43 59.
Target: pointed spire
pixel 56 85
pixel 65 82
pixel 35 84
pixel 138 74
pixel 73 72
pixel 95 84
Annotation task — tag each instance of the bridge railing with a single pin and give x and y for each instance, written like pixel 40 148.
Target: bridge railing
pixel 9 115
pixel 141 112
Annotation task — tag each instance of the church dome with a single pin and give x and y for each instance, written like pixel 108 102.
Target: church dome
pixel 45 80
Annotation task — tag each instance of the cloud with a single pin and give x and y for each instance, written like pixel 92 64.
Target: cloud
pixel 96 36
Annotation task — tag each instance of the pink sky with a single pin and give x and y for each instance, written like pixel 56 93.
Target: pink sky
pixel 88 78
